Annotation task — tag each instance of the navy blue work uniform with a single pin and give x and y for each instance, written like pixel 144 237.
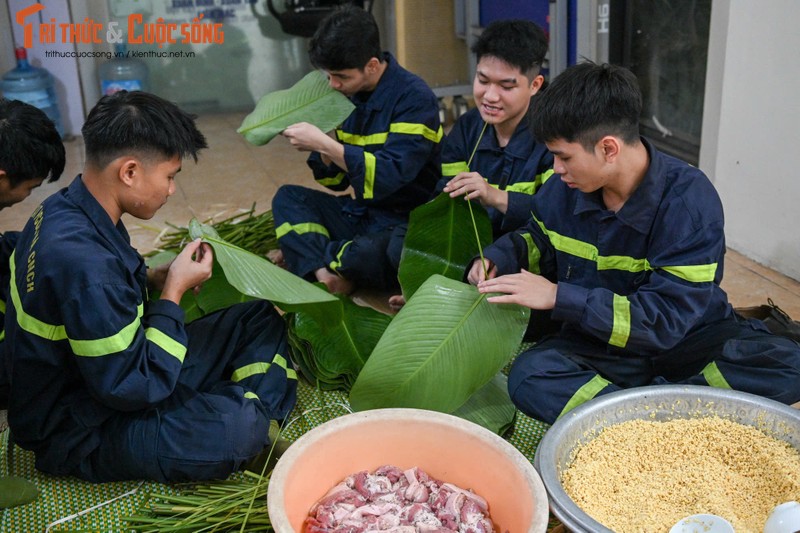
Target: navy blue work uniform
pixel 639 296
pixel 391 147
pixel 107 385
pixel 7 242
pixel 521 167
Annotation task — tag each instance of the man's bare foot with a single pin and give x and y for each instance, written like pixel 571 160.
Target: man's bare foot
pixel 276 256
pixel 396 302
pixel 335 284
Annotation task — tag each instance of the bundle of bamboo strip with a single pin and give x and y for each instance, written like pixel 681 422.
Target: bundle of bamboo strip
pixel 254 233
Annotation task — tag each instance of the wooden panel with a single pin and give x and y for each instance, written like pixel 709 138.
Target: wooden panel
pixel 427 44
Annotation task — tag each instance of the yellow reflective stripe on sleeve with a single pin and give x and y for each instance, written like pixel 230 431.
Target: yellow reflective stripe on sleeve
pixel 544 176
pixel 111 344
pixel 714 377
pixel 362 140
pixel 251 395
pixel 306 227
pixel 568 245
pixel 335 180
pixel 451 169
pixel 533 254
pixel 621 329
pixel 284 364
pixel 526 187
pixel 585 393
pixel 261 368
pixel 409 128
pixel 369 175
pixel 166 343
pixel 335 265
pixel 694 273
pixel 622 262
pixel 405 128
pixel 95 347
pixel 250 370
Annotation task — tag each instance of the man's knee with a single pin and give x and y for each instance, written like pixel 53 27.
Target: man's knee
pixel 289 196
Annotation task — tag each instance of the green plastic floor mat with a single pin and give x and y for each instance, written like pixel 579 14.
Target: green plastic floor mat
pixel 63 497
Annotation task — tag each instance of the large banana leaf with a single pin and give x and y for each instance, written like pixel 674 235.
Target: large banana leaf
pixel 309 100
pixel 491 406
pixel 332 358
pixel 255 276
pixel 445 344
pixel 441 240
pixel 215 294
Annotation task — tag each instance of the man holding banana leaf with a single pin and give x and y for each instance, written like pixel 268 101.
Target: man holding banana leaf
pixel 626 247
pixel 108 384
pixel 387 151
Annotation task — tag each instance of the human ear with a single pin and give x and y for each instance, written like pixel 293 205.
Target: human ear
pixel 372 65
pixel 609 148
pixel 536 84
pixel 129 169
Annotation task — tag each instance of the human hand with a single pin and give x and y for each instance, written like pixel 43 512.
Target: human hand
pixel 188 271
pixel 477 272
pixel 472 185
pixel 524 288
pixel 306 137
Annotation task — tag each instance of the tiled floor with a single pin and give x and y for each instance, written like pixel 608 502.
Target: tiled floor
pixel 233 174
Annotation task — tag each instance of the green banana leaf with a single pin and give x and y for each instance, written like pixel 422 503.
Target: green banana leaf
pixel 491 406
pixel 332 358
pixel 441 240
pixel 309 100
pixel 445 344
pixel 255 276
pixel 215 294
pixel 16 491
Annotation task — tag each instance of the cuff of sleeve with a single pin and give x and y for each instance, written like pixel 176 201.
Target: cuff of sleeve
pixel 354 157
pixel 518 211
pixel 570 302
pixel 166 308
pixel 497 258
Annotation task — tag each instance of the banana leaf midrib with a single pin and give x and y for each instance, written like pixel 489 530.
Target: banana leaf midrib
pixel 275 118
pixel 445 341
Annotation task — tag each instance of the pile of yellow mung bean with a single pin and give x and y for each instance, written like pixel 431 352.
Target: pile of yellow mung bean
pixel 644 476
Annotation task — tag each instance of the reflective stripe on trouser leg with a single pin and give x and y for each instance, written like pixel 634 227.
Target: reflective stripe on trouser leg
pixel 543 383
pixel 305 222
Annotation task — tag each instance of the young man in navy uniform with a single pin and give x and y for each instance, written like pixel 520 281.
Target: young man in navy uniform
pixel 107 384
pixel 491 155
pixel 31 152
pixel 386 152
pixel 626 247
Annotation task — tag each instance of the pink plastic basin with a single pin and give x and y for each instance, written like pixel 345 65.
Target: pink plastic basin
pixel 446 447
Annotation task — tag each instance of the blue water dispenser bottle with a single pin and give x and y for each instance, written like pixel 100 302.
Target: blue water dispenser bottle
pixel 32 85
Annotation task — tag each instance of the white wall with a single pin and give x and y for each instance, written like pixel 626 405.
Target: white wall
pixel 751 127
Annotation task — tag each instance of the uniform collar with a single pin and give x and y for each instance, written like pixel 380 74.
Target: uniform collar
pixel 640 209
pixel 117 235
pixel 518 146
pixel 375 99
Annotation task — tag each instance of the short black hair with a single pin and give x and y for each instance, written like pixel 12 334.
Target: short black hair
pixel 346 38
pixel 520 43
pixel 30 146
pixel 142 123
pixel 586 102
